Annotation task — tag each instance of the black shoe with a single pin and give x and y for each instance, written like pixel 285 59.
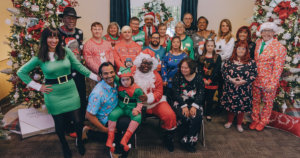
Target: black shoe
pixel 191 148
pixel 168 140
pixel 208 118
pixel 67 152
pixel 80 147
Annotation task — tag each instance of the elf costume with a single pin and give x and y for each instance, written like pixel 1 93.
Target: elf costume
pixel 128 101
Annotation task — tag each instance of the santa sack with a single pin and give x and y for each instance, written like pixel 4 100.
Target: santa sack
pixel 285 122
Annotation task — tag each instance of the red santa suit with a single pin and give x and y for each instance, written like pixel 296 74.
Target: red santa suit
pixel 152 85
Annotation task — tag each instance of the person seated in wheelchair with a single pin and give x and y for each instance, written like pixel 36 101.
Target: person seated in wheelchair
pixel 129 104
pixel 188 93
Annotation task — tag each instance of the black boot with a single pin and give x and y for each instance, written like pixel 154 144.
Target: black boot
pixel 169 140
pixel 66 150
pixel 80 146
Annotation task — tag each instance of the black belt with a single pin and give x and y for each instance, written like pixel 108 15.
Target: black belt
pixel 59 80
pixel 127 100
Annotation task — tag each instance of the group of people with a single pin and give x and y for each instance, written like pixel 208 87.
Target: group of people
pixel 174 78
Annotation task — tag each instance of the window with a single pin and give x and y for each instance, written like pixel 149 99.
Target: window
pixel 174 6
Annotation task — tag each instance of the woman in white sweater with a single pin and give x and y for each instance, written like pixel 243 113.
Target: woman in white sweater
pixel 224 47
pixel 224 40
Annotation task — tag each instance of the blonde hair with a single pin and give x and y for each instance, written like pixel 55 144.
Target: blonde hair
pixel 113 24
pixel 228 35
pixel 125 28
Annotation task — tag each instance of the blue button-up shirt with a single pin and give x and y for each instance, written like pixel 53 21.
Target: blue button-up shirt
pixel 102 101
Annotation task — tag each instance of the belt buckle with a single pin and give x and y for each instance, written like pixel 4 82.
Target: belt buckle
pixel 65 76
pixel 126 100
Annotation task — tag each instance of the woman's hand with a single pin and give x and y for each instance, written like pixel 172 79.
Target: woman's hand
pixel 185 112
pixel 135 112
pixel 46 89
pixel 165 83
pixel 206 82
pixel 193 111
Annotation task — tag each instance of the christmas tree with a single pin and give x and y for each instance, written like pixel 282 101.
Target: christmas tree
pixel 29 18
pixel 286 15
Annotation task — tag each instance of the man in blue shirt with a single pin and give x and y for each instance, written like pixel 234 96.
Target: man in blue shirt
pixel 102 100
pixel 156 47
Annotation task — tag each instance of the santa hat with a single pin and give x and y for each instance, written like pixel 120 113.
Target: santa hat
pixel 124 72
pixel 267 25
pixel 149 15
pixel 149 56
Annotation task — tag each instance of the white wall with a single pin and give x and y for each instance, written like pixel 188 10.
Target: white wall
pixel 237 11
pixel 4 28
pixel 91 11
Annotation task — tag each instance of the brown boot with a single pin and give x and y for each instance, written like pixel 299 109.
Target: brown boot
pixel 125 140
pixel 110 140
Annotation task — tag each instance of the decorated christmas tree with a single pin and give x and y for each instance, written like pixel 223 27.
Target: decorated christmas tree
pixel 286 15
pixel 29 18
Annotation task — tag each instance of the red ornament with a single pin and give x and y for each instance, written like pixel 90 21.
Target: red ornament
pixel 14 53
pixel 260 11
pixel 26 99
pixel 17 5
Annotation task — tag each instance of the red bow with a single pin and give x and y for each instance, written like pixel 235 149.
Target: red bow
pixel 36 27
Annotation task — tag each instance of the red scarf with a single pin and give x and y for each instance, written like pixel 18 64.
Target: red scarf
pixel 129 90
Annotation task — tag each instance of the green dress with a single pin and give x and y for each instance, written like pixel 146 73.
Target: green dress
pixel 64 97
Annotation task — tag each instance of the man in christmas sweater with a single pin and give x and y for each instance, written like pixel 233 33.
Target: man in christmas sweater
pixel 96 51
pixel 151 83
pixel 72 38
pixel 149 26
pixel 270 57
pixel 138 36
pixel 127 48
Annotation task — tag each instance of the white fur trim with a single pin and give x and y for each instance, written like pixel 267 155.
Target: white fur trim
pixel 183 106
pixel 138 60
pixel 34 85
pixel 195 105
pixel 148 16
pixel 93 77
pixel 269 25
pixel 150 106
pixel 150 97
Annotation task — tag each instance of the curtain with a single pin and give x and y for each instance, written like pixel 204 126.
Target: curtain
pixel 120 12
pixel 189 6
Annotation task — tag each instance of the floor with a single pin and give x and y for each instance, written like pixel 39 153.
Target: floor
pixel 220 143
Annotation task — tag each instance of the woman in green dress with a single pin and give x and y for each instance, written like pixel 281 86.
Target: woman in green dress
pixel 60 93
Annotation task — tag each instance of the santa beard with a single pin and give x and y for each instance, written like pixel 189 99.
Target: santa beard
pixel 145 80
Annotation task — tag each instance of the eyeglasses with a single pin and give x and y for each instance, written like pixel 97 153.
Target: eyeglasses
pixel 157 38
pixel 267 31
pixel 147 63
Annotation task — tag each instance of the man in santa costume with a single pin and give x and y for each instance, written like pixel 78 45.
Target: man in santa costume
pixel 152 85
pixel 270 57
pixel 149 26
pixel 125 49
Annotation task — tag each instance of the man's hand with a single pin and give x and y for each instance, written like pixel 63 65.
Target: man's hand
pixel 185 112
pixel 143 98
pixel 46 89
pixel 135 112
pixel 165 83
pixel 193 111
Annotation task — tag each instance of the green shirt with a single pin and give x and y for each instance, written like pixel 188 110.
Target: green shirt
pixel 186 43
pixel 139 38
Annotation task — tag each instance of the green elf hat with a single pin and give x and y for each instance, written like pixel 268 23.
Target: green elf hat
pixel 124 72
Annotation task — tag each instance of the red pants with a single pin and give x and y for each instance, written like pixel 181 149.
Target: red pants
pixel 166 114
pixel 267 98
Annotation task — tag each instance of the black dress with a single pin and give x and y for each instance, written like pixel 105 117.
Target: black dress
pixel 188 94
pixel 238 99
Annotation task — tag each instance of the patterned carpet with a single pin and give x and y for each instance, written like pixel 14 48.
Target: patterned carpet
pixel 220 143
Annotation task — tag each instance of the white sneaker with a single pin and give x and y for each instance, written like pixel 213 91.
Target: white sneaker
pixel 240 128
pixel 228 125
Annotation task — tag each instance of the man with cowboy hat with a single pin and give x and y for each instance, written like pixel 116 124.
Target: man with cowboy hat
pixel 270 57
pixel 72 38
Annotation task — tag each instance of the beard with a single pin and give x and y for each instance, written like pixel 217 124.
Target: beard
pixel 155 44
pixel 145 80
